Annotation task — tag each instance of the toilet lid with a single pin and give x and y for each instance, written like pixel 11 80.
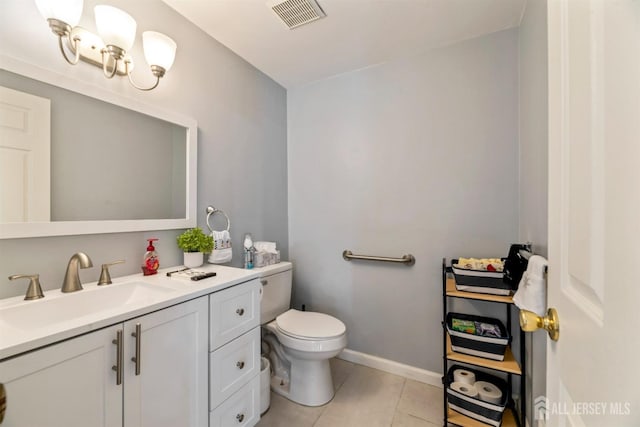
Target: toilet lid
pixel 308 324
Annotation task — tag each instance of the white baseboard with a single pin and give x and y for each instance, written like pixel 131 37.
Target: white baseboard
pixel 386 365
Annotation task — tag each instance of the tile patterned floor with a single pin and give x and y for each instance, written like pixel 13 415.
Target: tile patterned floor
pixel 365 397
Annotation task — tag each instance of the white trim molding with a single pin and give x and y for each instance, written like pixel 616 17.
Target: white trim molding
pixel 386 365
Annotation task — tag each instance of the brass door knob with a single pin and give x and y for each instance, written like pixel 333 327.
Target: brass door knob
pixel 530 321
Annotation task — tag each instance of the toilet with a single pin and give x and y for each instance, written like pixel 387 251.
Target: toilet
pixel 298 343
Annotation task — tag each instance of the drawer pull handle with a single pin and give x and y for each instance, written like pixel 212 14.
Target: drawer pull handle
pixel 240 365
pixel 240 311
pixel 119 356
pixel 137 358
pixel 240 418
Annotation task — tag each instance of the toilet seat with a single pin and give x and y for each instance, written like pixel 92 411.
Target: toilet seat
pixel 309 325
pixel 308 331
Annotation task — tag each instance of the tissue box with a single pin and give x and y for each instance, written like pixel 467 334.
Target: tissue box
pixel 265 254
pixel 263 259
pixel 474 407
pixel 477 345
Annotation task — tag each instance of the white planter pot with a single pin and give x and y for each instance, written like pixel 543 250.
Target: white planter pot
pixel 193 259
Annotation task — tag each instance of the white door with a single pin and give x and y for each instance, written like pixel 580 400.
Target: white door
pixel 171 388
pixel 24 157
pixel 70 384
pixel 594 213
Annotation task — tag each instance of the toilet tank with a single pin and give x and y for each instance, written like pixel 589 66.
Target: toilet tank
pixel 276 290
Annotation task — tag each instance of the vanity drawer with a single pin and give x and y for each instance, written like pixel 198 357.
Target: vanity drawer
pixel 233 312
pixel 233 365
pixel 241 409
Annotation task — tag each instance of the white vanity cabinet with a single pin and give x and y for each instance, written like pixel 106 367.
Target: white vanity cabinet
pixel 170 388
pixel 73 383
pixel 234 359
pixel 69 384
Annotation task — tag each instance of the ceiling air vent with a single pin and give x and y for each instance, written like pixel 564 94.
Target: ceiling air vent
pixel 295 13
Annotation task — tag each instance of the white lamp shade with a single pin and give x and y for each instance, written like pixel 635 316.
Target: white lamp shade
pixel 158 49
pixel 67 11
pixel 115 27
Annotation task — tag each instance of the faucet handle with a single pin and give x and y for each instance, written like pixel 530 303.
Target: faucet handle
pixel 105 277
pixel 34 291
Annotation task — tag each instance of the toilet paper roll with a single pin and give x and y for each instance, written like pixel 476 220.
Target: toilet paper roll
pixel 466 389
pixel 488 392
pixel 464 376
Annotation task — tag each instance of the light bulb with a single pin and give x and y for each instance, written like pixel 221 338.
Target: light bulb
pixel 67 11
pixel 159 49
pixel 116 27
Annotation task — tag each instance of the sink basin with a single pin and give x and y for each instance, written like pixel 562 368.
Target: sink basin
pixel 60 308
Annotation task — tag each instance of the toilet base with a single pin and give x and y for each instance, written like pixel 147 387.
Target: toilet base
pixel 312 384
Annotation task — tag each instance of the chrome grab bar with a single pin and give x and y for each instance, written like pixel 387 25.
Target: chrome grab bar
pixel 405 259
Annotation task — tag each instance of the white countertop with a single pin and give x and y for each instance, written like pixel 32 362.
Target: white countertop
pixel 14 341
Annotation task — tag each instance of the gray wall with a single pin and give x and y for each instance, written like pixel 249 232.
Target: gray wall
pixel 416 156
pixel 241 116
pixel 533 165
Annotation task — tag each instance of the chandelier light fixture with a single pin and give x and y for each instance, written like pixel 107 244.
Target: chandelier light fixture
pixel 108 49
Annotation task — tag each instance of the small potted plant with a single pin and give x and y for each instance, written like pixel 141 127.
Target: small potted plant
pixel 194 243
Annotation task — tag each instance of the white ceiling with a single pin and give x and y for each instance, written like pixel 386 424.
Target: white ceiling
pixel 355 33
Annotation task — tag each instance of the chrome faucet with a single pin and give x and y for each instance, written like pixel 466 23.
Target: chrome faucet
pixel 71 282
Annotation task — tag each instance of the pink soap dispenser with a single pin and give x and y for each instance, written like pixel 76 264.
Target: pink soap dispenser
pixel 150 262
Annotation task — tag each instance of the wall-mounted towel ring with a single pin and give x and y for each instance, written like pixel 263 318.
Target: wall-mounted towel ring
pixel 222 251
pixel 210 211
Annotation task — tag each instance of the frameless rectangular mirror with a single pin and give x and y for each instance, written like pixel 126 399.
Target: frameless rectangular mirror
pixel 78 160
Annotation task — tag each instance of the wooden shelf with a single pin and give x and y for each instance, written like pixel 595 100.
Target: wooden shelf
pixel 509 364
pixel 453 292
pixel 457 418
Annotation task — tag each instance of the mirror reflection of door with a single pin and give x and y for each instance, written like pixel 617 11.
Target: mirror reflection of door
pixel 24 157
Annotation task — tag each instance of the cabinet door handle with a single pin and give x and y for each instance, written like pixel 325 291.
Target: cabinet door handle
pixel 240 311
pixel 138 336
pixel 240 365
pixel 240 418
pixel 119 356
pixel 264 282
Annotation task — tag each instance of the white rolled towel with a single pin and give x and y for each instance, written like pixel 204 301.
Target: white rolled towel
pixel 532 290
